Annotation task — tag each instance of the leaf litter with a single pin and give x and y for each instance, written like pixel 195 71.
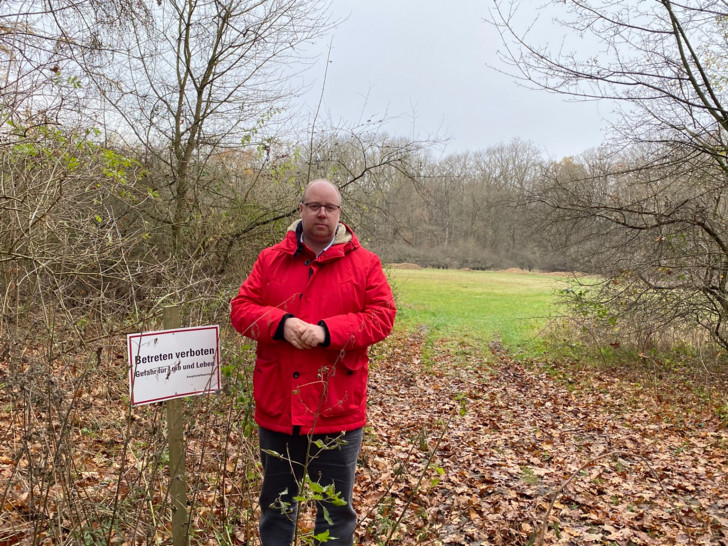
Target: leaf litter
pixel 523 458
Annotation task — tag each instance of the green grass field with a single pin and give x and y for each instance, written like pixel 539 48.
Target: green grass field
pixel 476 307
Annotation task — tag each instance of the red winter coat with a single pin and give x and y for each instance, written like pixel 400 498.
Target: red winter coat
pixel 321 389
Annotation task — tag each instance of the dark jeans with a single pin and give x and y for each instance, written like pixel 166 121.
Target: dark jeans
pixel 281 476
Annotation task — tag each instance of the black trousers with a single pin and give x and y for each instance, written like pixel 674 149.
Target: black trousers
pixel 331 460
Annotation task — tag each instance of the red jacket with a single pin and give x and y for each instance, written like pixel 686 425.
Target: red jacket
pixel 321 389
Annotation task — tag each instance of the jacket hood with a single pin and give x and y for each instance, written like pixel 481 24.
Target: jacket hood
pixel 344 234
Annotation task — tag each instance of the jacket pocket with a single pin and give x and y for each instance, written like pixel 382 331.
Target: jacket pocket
pixel 268 386
pixel 346 392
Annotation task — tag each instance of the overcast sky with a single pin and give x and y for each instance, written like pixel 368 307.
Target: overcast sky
pixel 425 64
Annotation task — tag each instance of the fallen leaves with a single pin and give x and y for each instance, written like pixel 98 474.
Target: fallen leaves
pixel 614 474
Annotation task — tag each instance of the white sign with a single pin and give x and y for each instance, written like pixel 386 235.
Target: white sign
pixel 173 364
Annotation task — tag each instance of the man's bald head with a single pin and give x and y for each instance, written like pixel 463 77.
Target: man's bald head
pixel 321 182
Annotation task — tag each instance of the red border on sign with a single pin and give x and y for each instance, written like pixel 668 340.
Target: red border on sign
pixel 133 337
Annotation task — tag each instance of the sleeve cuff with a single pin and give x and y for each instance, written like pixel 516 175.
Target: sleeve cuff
pixel 327 339
pixel 279 330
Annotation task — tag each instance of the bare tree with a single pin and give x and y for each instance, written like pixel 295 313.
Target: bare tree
pixel 662 61
pixel 660 201
pixel 191 78
pixel 367 165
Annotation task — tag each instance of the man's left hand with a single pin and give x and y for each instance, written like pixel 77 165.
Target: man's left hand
pixel 312 335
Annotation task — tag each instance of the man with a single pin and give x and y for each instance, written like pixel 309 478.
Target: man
pixel 314 302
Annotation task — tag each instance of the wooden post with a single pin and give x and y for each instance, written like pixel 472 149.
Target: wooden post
pixel 175 439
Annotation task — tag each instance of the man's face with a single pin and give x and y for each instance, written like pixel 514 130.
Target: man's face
pixel 319 225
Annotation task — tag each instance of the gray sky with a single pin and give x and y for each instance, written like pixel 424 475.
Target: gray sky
pixel 424 63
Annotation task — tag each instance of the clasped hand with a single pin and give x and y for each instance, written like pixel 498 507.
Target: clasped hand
pixel 303 335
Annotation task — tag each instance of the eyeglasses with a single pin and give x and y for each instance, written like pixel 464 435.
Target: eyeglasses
pixel 315 207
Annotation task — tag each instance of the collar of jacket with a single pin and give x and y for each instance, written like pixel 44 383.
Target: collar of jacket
pixel 344 236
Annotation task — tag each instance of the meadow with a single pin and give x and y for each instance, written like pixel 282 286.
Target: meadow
pixel 477 307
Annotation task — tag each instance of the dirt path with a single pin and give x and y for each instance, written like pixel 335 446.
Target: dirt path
pixel 624 466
